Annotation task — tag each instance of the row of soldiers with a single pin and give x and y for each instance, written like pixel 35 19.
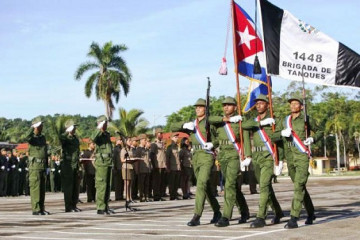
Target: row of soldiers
pixel 292 144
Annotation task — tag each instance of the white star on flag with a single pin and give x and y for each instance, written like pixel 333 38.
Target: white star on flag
pixel 245 37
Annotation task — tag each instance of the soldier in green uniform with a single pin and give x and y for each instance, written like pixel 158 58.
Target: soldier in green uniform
pixel 297 157
pixel 103 166
pixel 144 167
pixel 37 166
pixel 89 168
pixel 203 161
pixel 173 166
pixel 263 160
pixel 70 166
pixel 229 158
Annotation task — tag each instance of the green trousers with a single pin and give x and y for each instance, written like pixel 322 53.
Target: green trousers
pixel 264 169
pixel 203 163
pixel 229 162
pixel 37 182
pixel 298 167
pixel 103 186
pixel 70 186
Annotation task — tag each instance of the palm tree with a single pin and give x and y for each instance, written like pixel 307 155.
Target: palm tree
pixel 131 123
pixel 111 76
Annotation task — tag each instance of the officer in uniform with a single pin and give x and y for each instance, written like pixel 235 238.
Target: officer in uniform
pixel 37 166
pixel 158 159
pixel 263 160
pixel 118 181
pixel 298 161
pixel 229 158
pixel 14 173
pixel 70 166
pixel 203 161
pixel 103 166
pixel 144 168
pixel 173 166
pixel 22 173
pixel 3 173
pixel 89 168
pixel 52 171
pixel 186 167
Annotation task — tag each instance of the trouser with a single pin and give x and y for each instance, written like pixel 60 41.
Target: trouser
pixel 102 184
pixel 37 182
pixel 186 174
pixel 22 180
pixel 158 182
pixel 264 168
pixel 230 168
pixel 118 184
pixel 3 183
pixel 14 183
pixel 214 181
pixel 143 185
pixel 134 186
pixel 52 181
pixel 174 180
pixel 70 186
pixel 203 163
pixel 298 165
pixel 90 187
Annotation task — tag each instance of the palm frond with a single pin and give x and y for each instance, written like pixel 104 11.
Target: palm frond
pixel 83 68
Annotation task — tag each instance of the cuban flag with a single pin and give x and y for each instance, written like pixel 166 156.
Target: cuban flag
pixel 296 50
pixel 247 45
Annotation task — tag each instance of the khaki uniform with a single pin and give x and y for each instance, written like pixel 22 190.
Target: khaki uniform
pixel 144 170
pixel 158 176
pixel 174 168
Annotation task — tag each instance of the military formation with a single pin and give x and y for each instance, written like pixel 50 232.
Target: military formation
pixel 138 168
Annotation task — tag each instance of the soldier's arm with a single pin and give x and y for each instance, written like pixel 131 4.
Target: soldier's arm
pixel 214 136
pixel 248 124
pixel 247 143
pixel 276 135
pixel 216 120
pixel 178 127
pixel 95 136
pixel 29 135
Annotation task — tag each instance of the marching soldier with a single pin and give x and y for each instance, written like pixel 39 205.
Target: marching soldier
pixel 118 181
pixel 263 160
pixel 144 168
pixel 229 156
pixel 297 154
pixel 103 166
pixel 89 168
pixel 37 166
pixel 173 166
pixel 158 159
pixel 70 166
pixel 203 161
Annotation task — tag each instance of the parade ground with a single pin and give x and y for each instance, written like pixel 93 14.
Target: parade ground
pixel 336 200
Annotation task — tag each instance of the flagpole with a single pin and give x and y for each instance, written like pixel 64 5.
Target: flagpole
pixel 237 83
pixel 272 116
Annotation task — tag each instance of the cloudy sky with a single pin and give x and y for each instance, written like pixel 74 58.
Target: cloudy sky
pixel 173 46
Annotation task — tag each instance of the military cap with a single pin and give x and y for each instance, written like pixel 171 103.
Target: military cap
pixel 134 139
pixel 36 120
pixel 229 100
pixel 295 99
pixel 262 97
pixel 142 136
pixel 158 130
pixel 3 149
pixel 175 134
pixel 70 123
pixel 101 118
pixel 200 102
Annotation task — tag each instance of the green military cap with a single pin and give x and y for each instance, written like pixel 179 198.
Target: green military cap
pixel 36 120
pixel 229 100
pixel 158 130
pixel 262 97
pixel 101 118
pixel 295 99
pixel 70 123
pixel 200 102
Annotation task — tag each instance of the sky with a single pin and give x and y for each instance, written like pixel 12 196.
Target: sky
pixel 173 46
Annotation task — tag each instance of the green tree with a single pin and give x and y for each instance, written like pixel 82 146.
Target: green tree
pixel 111 76
pixel 130 123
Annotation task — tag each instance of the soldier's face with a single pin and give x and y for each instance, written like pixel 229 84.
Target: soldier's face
pixel 261 106
pixel 228 109
pixel 295 106
pixel 159 136
pixel 200 111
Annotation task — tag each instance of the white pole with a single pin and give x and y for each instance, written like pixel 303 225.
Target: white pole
pixel 337 152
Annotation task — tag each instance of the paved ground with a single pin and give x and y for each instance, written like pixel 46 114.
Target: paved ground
pixel 337 202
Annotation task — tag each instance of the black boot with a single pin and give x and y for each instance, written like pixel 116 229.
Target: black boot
pixel 195 221
pixel 223 222
pixel 292 223
pixel 258 223
pixel 310 219
pixel 216 217
pixel 244 217
pixel 275 220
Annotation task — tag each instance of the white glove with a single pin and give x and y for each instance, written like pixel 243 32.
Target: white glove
pixel 245 163
pixel 47 171
pixel 13 166
pixel 235 119
pixel 8 169
pixel 189 125
pixel 59 171
pixel 286 132
pixel 35 125
pixel 53 169
pixel 278 169
pixel 309 141
pixel 20 170
pixel 26 169
pixel 208 146
pixel 267 121
pixel 3 167
pixel 101 124
pixel 70 129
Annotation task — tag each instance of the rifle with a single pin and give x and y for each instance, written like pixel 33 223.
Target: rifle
pixel 207 112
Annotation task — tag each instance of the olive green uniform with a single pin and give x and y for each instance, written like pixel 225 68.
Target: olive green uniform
pixel 103 166
pixel 298 165
pixel 230 166
pixel 37 169
pixel 70 170
pixel 144 169
pixel 185 157
pixel 264 167
pixel 158 159
pixel 202 163
pixel 174 169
